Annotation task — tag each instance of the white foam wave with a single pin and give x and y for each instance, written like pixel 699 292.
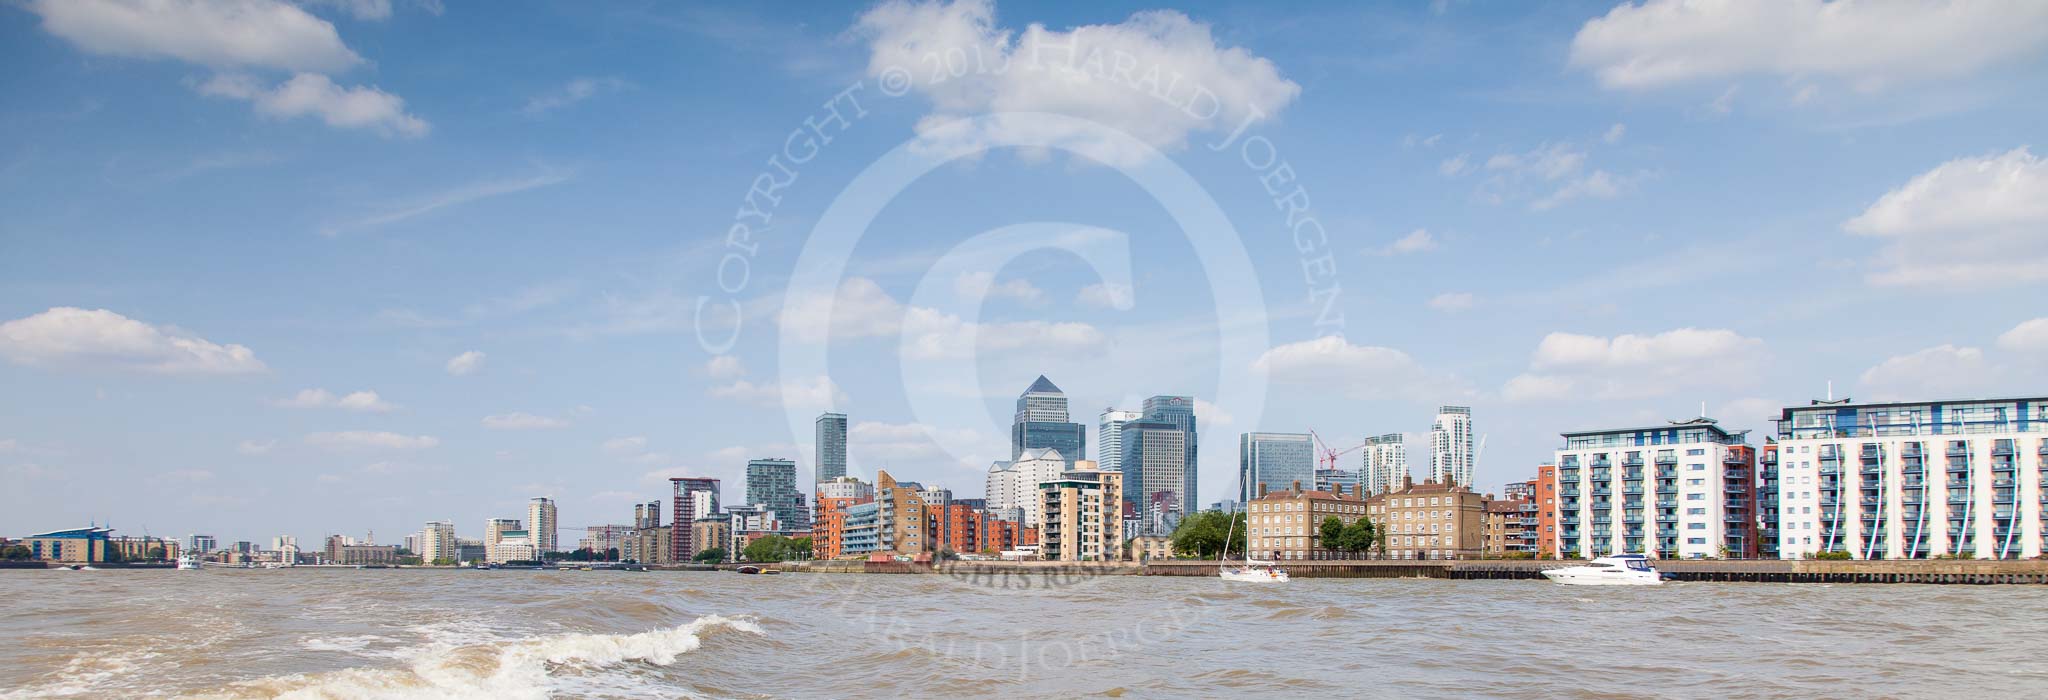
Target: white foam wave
pixel 512 669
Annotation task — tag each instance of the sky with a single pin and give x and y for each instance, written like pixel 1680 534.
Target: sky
pixel 340 266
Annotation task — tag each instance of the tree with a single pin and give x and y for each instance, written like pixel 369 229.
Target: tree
pixel 1358 536
pixel 772 548
pixel 1331 532
pixel 1202 534
pixel 710 556
pixel 15 552
pixel 611 554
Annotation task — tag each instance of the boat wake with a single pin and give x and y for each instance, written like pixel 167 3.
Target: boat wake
pixel 526 668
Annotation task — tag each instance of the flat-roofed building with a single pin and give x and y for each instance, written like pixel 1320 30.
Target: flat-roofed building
pixel 1082 515
pixel 1679 490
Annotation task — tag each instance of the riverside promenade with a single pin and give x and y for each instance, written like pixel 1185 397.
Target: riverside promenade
pixel 1940 571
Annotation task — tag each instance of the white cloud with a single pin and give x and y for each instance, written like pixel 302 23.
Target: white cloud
pixel 1158 76
pixel 1417 241
pixel 188 475
pixel 454 197
pixel 819 393
pixel 363 401
pixel 1568 365
pixel 861 309
pixel 725 367
pixel 1451 301
pixel 523 421
pixel 1360 371
pixel 1971 221
pixel 571 93
pixel 625 445
pixel 1943 371
pixel 883 442
pixel 1614 133
pixel 974 285
pixel 1455 165
pixel 9 445
pixel 366 10
pixel 1107 295
pixel 223 34
pixel 2029 336
pixel 1210 415
pixel 1660 43
pixel 465 363
pixel 1549 161
pixel 104 339
pixel 312 94
pixel 255 447
pixel 1597 184
pixel 368 439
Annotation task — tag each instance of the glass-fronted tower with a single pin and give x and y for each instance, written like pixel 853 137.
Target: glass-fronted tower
pixel 1274 460
pixel 1041 422
pixel 831 447
pixel 772 483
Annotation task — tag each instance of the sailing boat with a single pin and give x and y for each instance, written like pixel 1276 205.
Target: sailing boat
pixel 1253 570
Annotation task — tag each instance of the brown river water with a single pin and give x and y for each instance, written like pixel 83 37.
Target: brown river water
pixel 538 634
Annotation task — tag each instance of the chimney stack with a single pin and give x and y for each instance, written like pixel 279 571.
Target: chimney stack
pixel 1262 489
pixel 1297 486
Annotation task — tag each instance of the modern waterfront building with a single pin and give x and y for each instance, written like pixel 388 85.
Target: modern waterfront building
pixel 1286 524
pixel 835 499
pixel 1913 480
pixel 900 516
pixel 1155 473
pixel 1041 421
pixel 203 544
pixel 1109 438
pixel 1384 463
pixel 831 447
pixel 496 532
pixel 605 541
pixel 83 545
pixel 863 530
pixel 772 483
pixel 1012 487
pixel 687 507
pixel 541 523
pixel 708 532
pixel 1545 495
pixel 437 542
pixel 1450 446
pixel 1272 461
pixel 1767 501
pixel 1083 515
pixel 1681 490
pixel 1430 520
pixel 342 550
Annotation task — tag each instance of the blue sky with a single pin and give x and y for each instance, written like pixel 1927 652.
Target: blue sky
pixel 304 269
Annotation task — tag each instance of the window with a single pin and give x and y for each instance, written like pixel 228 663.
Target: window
pixel 1696 467
pixel 1695 526
pixel 1695 482
pixel 1695 452
pixel 1695 497
pixel 1695 511
pixel 1696 540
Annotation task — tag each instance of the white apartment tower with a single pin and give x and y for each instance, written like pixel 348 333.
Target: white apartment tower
pixel 1914 480
pixel 437 542
pixel 1109 438
pixel 541 523
pixel 1385 463
pixel 1014 484
pixel 1685 489
pixel 1450 446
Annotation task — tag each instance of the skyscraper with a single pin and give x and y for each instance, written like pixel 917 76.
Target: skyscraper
pixel 437 542
pixel 772 483
pixel 831 447
pixel 1386 463
pixel 1155 466
pixel 687 510
pixel 1179 411
pixel 1109 438
pixel 541 523
pixel 1275 460
pixel 1042 422
pixel 1450 446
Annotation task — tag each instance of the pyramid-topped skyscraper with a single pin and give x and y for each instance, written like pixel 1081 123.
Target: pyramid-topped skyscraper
pixel 1041 422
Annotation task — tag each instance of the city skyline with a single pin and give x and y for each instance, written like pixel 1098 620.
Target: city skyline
pixel 427 263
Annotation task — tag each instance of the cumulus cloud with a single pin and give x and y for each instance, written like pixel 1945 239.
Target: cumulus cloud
pixel 1451 301
pixel 1548 176
pixel 875 440
pixel 975 285
pixel 1107 295
pixel 370 439
pixel 1943 371
pixel 223 34
pixel 363 401
pixel 725 367
pixel 1971 221
pixel 1157 76
pixel 465 363
pixel 523 421
pixel 104 339
pixel 815 393
pixel 1869 45
pixel 1360 371
pixel 624 445
pixel 861 309
pixel 315 95
pixel 1614 133
pixel 2029 336
pixel 255 447
pixel 1455 165
pixel 1417 241
pixel 1573 366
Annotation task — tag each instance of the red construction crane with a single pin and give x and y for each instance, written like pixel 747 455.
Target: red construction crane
pixel 1326 455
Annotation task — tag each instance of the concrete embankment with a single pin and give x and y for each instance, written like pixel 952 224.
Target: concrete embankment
pixel 1760 571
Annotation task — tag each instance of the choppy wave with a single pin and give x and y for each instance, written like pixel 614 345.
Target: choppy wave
pixel 529 668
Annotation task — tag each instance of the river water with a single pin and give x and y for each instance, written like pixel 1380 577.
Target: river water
pixel 534 634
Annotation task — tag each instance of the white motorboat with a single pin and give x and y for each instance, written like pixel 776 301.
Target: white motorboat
pixel 1620 570
pixel 188 562
pixel 1255 571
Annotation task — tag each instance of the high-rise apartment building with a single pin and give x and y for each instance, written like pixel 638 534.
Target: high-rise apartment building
pixel 1041 421
pixel 437 542
pixel 831 447
pixel 541 523
pixel 1450 446
pixel 1273 461
pixel 835 499
pixel 1109 438
pixel 900 516
pixel 1913 480
pixel 1385 463
pixel 1083 518
pixel 1678 490
pixel 688 507
pixel 505 540
pixel 1012 487
pixel 772 483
